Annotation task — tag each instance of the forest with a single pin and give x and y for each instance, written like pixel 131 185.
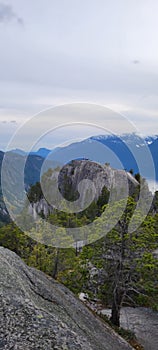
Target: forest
pixel 118 268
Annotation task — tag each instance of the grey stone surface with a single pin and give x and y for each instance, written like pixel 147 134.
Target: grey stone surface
pixel 143 322
pixel 100 175
pixel 75 173
pixel 36 312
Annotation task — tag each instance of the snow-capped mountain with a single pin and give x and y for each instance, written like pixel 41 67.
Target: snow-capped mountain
pixel 126 151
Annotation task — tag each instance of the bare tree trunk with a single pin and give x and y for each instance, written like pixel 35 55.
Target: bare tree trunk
pixel 119 292
pixel 116 307
pixel 55 270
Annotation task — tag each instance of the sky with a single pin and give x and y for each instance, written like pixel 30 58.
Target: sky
pixel 62 51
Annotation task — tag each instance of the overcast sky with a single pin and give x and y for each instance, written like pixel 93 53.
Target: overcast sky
pixel 99 51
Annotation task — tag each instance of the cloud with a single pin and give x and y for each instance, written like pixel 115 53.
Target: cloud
pixel 136 61
pixel 7 14
pixel 8 121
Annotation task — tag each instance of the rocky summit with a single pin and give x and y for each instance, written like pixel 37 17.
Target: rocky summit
pixel 36 312
pixel 100 175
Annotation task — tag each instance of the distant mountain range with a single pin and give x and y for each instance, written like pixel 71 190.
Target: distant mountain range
pixel 128 151
pixel 120 152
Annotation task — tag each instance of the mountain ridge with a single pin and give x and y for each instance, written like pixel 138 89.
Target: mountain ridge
pixel 122 152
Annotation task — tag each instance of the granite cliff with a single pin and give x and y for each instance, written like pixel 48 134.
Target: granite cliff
pixel 36 312
pixel 76 173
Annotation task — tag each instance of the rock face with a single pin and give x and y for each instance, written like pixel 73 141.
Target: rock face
pixel 39 207
pixel 36 312
pixel 75 174
pixel 143 322
pixel 100 175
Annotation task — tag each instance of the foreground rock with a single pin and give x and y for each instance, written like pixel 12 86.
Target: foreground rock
pixel 38 313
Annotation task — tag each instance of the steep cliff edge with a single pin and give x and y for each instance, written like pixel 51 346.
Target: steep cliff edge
pixel 36 312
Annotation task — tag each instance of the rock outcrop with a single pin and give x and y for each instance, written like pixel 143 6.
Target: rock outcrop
pixel 91 178
pixel 99 175
pixel 36 312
